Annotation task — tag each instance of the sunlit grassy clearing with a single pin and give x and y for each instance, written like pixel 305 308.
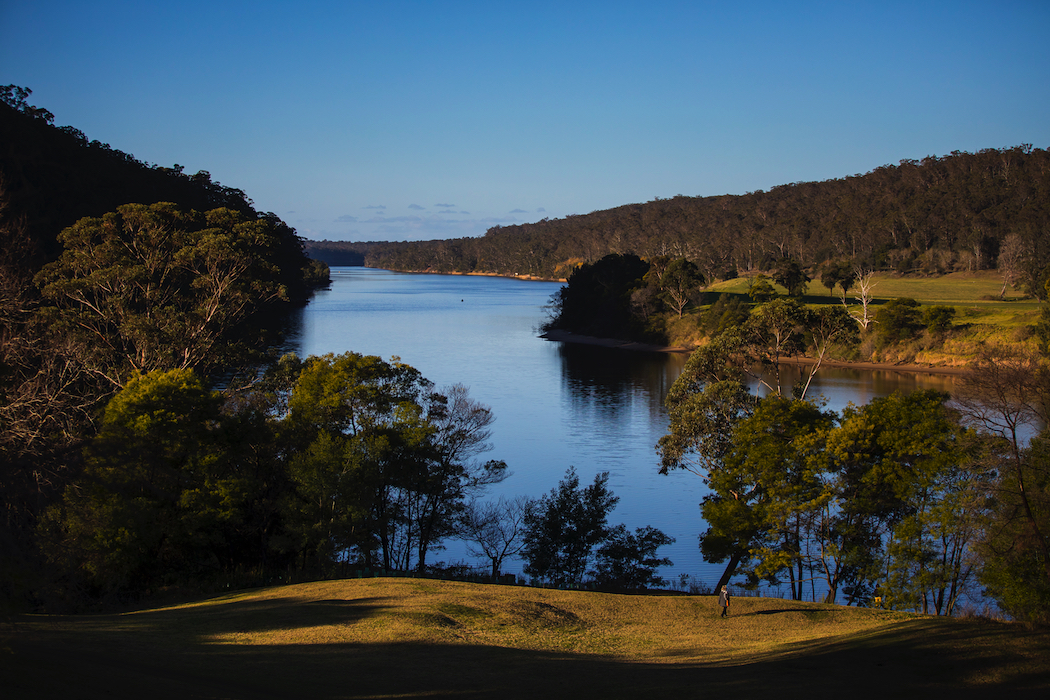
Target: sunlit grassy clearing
pixel 980 290
pixel 958 289
pixel 984 317
pixel 634 627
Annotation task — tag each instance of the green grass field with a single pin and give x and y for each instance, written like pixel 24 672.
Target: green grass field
pixel 414 638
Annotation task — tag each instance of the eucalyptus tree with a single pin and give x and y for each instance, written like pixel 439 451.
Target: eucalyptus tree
pixel 712 413
pixel 454 472
pixel 760 499
pixel 905 504
pixel 828 327
pixel 629 561
pixel 681 282
pixel 775 330
pixel 704 406
pixel 866 285
pixel 837 274
pixel 790 275
pixel 158 492
pixel 157 287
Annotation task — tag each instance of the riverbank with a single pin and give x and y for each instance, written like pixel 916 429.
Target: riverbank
pixel 567 337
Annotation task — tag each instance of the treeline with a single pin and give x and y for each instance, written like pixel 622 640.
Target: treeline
pixel 125 472
pixel 321 467
pixel 328 461
pixel 334 254
pixel 920 502
pixel 625 297
pixel 934 215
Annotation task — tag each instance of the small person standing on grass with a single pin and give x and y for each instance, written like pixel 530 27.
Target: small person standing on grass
pixel 723 600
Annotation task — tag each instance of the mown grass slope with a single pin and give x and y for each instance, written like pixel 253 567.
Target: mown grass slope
pixel 414 638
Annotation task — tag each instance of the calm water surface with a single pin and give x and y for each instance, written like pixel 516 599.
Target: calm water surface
pixel 556 404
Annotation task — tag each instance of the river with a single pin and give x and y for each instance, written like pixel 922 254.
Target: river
pixel 556 404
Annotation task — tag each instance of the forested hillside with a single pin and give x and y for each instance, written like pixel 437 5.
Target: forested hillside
pixel 112 270
pixel 52 176
pixel 935 215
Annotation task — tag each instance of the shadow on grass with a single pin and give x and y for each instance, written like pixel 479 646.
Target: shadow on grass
pixel 252 616
pixel 782 611
pixel 150 659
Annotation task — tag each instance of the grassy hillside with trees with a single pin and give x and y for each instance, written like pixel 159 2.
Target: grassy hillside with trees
pixel 125 469
pixel 913 500
pixel 126 473
pixel 939 322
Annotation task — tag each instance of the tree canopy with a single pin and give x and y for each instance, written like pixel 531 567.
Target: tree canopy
pixel 157 287
pixel 327 461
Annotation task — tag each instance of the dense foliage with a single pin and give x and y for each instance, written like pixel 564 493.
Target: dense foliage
pixel 334 460
pixel 914 501
pixel 111 268
pixel 936 215
pixel 123 471
pixel 597 299
pixel 151 287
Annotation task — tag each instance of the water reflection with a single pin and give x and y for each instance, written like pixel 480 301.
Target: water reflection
pixel 839 386
pixel 607 381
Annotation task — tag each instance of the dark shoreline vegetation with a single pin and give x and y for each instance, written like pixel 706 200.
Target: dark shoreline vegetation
pixel 131 292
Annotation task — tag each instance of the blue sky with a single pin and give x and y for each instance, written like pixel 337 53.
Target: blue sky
pixel 416 120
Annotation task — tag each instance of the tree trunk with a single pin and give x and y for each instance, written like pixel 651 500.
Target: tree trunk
pixel 730 570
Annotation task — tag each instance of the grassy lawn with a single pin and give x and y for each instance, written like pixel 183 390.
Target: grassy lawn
pixel 960 289
pixel 409 638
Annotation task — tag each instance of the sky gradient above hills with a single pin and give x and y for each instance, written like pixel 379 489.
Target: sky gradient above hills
pixel 418 120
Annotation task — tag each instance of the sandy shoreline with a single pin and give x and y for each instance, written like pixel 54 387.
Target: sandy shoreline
pixel 566 337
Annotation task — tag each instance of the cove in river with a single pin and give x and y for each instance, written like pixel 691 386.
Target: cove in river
pixel 556 404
